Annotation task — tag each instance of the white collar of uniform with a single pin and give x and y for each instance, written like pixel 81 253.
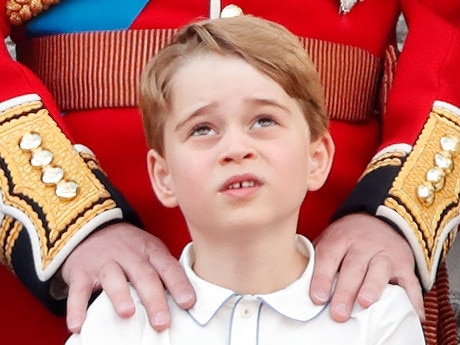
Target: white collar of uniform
pixel 292 302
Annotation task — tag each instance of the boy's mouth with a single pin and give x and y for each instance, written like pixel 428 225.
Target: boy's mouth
pixel 244 184
pixel 241 182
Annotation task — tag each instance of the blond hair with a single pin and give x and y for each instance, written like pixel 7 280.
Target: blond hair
pixel 267 46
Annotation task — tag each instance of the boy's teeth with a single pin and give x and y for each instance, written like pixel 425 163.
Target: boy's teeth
pixel 245 184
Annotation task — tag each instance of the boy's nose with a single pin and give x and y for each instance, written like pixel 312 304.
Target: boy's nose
pixel 236 148
pixel 236 157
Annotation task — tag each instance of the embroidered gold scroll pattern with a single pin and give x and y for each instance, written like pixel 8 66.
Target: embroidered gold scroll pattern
pixel 428 220
pixel 55 219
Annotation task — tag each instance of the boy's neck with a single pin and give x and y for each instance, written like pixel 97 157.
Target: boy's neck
pixel 250 262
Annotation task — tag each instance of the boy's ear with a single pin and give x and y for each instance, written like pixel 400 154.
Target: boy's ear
pixel 160 178
pixel 321 155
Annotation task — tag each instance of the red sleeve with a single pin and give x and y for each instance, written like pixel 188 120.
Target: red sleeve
pixel 47 223
pixel 413 182
pixel 428 69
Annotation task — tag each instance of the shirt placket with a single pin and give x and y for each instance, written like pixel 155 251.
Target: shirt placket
pixel 245 321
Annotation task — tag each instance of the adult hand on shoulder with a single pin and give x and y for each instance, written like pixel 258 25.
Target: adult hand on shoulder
pixel 119 253
pixel 369 254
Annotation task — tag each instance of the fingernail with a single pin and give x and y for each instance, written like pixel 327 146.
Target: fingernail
pixel 184 299
pixel 125 309
pixel 73 325
pixel 421 313
pixel 367 298
pixel 321 296
pixel 341 309
pixel 161 319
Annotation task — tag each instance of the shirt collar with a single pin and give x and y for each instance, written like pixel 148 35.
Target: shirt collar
pixel 293 302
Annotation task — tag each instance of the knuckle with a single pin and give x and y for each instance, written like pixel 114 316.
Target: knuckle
pixel 168 268
pixel 108 269
pixel 145 273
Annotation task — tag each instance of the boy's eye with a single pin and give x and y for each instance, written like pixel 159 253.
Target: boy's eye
pixel 264 121
pixel 201 130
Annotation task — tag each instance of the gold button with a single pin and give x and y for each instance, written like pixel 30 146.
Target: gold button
pixel 52 175
pixel 41 158
pixel 443 160
pixel 451 144
pixel 30 141
pixel 67 190
pixel 230 11
pixel 425 193
pixel 436 177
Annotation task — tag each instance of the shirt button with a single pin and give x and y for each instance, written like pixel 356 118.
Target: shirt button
pixel 230 11
pixel 246 313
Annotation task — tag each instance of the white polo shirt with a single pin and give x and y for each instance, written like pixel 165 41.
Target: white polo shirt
pixel 288 316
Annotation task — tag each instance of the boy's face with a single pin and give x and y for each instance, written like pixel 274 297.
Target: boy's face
pixel 237 148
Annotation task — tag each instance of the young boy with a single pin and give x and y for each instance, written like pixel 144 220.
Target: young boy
pixel 234 116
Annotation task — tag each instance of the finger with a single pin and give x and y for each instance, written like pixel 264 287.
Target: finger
pixel 153 296
pixel 414 290
pixel 173 276
pixel 114 283
pixel 80 290
pixel 349 281
pixel 327 263
pixel 377 277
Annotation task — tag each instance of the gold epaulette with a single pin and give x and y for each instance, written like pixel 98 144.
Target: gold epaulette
pixel 19 11
pixel 424 198
pixel 47 185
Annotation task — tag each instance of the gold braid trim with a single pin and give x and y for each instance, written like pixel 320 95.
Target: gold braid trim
pixel 389 69
pixel 91 161
pixel 393 158
pixel 54 218
pixel 19 11
pixel 9 232
pixel 429 221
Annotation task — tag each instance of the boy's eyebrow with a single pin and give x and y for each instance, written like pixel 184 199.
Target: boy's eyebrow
pixel 203 109
pixel 266 101
pixel 200 111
